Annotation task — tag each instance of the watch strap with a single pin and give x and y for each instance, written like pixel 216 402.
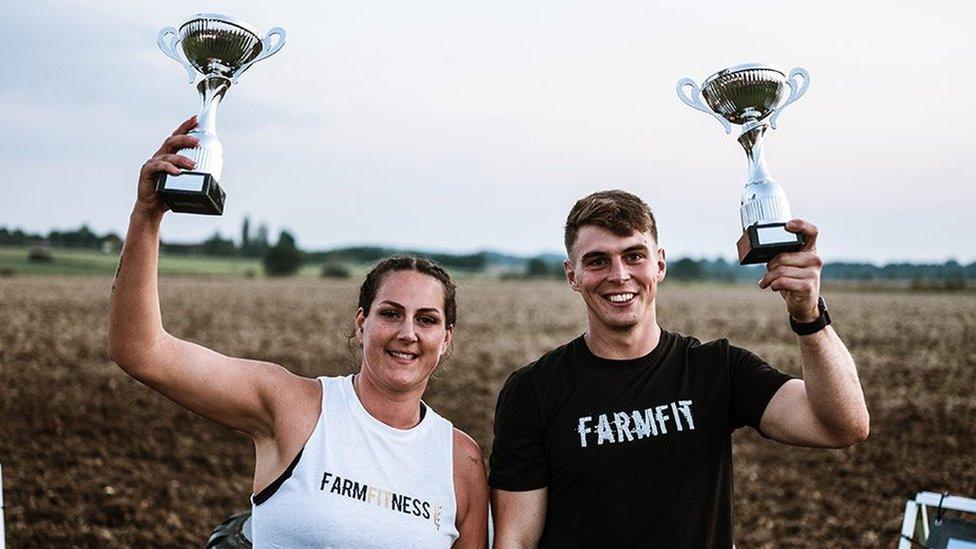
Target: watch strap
pixel 815 326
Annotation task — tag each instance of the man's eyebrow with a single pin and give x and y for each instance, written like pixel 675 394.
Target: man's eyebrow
pixel 596 254
pixel 593 255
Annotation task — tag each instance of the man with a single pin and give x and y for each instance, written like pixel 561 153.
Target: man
pixel 622 436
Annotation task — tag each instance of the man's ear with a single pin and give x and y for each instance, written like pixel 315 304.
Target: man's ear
pixel 360 321
pixel 662 265
pixel 570 275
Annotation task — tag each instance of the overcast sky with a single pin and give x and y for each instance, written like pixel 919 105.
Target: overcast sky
pixel 459 126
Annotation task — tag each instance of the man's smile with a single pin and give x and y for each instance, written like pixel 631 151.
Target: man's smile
pixel 620 298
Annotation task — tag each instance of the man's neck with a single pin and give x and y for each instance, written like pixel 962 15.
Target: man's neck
pixel 623 344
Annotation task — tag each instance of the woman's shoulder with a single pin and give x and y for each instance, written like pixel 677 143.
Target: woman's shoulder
pixel 465 447
pixel 297 404
pixel 470 474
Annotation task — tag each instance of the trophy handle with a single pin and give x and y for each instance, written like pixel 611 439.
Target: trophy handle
pixel 796 92
pixel 167 41
pixel 694 102
pixel 267 50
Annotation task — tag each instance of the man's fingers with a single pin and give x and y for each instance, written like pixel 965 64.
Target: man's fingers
pixel 787 284
pixel 807 229
pixel 795 259
pixel 186 126
pixel 174 143
pixel 785 272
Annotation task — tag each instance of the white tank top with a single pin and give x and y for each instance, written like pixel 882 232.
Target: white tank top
pixel 361 483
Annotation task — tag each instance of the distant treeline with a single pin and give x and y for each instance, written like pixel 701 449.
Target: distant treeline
pixel 372 254
pixel 81 238
pixel 256 244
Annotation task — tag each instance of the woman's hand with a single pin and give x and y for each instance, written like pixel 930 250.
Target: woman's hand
pixel 164 160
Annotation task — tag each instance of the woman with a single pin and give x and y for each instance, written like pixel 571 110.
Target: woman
pixel 346 462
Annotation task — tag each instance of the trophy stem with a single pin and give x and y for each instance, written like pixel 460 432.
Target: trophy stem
pixel 209 153
pixel 752 141
pixel 212 90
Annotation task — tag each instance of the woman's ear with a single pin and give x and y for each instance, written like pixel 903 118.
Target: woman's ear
pixel 360 322
pixel 448 338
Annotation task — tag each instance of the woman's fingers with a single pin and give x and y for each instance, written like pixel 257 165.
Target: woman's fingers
pixel 156 165
pixel 175 143
pixel 186 126
pixel 177 160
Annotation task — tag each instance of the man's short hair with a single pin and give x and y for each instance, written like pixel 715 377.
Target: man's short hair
pixel 617 211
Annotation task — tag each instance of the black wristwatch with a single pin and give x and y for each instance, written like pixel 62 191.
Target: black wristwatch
pixel 820 323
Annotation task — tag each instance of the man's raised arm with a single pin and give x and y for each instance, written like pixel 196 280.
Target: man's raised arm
pixel 826 408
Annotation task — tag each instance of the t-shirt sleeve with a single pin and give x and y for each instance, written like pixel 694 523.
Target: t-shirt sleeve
pixel 753 385
pixel 518 462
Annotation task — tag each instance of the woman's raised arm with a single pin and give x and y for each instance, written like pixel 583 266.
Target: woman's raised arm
pixel 243 394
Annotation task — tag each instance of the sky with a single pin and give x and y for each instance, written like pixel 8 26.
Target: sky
pixel 459 126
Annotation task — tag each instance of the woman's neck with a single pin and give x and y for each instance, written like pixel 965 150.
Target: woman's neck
pixel 400 410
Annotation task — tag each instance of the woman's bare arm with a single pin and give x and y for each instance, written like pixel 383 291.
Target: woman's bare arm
pixel 471 493
pixel 239 393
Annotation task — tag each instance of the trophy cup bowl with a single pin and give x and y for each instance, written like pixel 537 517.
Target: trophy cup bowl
pixel 219 49
pixel 215 44
pixel 751 95
pixel 742 93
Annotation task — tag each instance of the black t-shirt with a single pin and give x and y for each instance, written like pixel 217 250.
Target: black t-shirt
pixel 633 452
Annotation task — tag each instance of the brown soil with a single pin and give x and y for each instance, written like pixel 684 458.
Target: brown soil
pixel 92 458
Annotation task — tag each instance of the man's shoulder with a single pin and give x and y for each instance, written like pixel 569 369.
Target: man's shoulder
pixel 695 344
pixel 548 362
pixel 696 349
pixel 541 370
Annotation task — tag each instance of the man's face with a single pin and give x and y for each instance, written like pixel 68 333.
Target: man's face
pixel 616 275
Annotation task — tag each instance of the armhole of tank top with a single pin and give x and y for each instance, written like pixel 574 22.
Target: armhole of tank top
pixel 270 489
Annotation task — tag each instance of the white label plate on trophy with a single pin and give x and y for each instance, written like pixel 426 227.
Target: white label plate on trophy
pixel 774 235
pixel 185 182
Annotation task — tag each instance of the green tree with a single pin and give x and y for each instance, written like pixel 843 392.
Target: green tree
pixel 219 246
pixel 246 235
pixel 538 267
pixel 258 245
pixel 284 258
pixel 686 269
pixel 335 270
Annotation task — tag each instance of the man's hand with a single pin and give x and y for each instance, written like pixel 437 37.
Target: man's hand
pixel 164 160
pixel 796 275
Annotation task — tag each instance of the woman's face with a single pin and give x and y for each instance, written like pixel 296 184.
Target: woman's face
pixel 405 332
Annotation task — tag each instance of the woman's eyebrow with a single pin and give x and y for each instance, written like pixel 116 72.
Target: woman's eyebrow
pixel 420 310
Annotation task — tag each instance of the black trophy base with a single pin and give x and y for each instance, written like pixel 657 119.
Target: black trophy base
pixel 761 242
pixel 191 192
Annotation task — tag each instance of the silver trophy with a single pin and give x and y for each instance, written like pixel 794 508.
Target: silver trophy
pixel 220 49
pixel 751 95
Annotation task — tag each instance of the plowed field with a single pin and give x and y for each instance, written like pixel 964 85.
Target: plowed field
pixel 92 458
